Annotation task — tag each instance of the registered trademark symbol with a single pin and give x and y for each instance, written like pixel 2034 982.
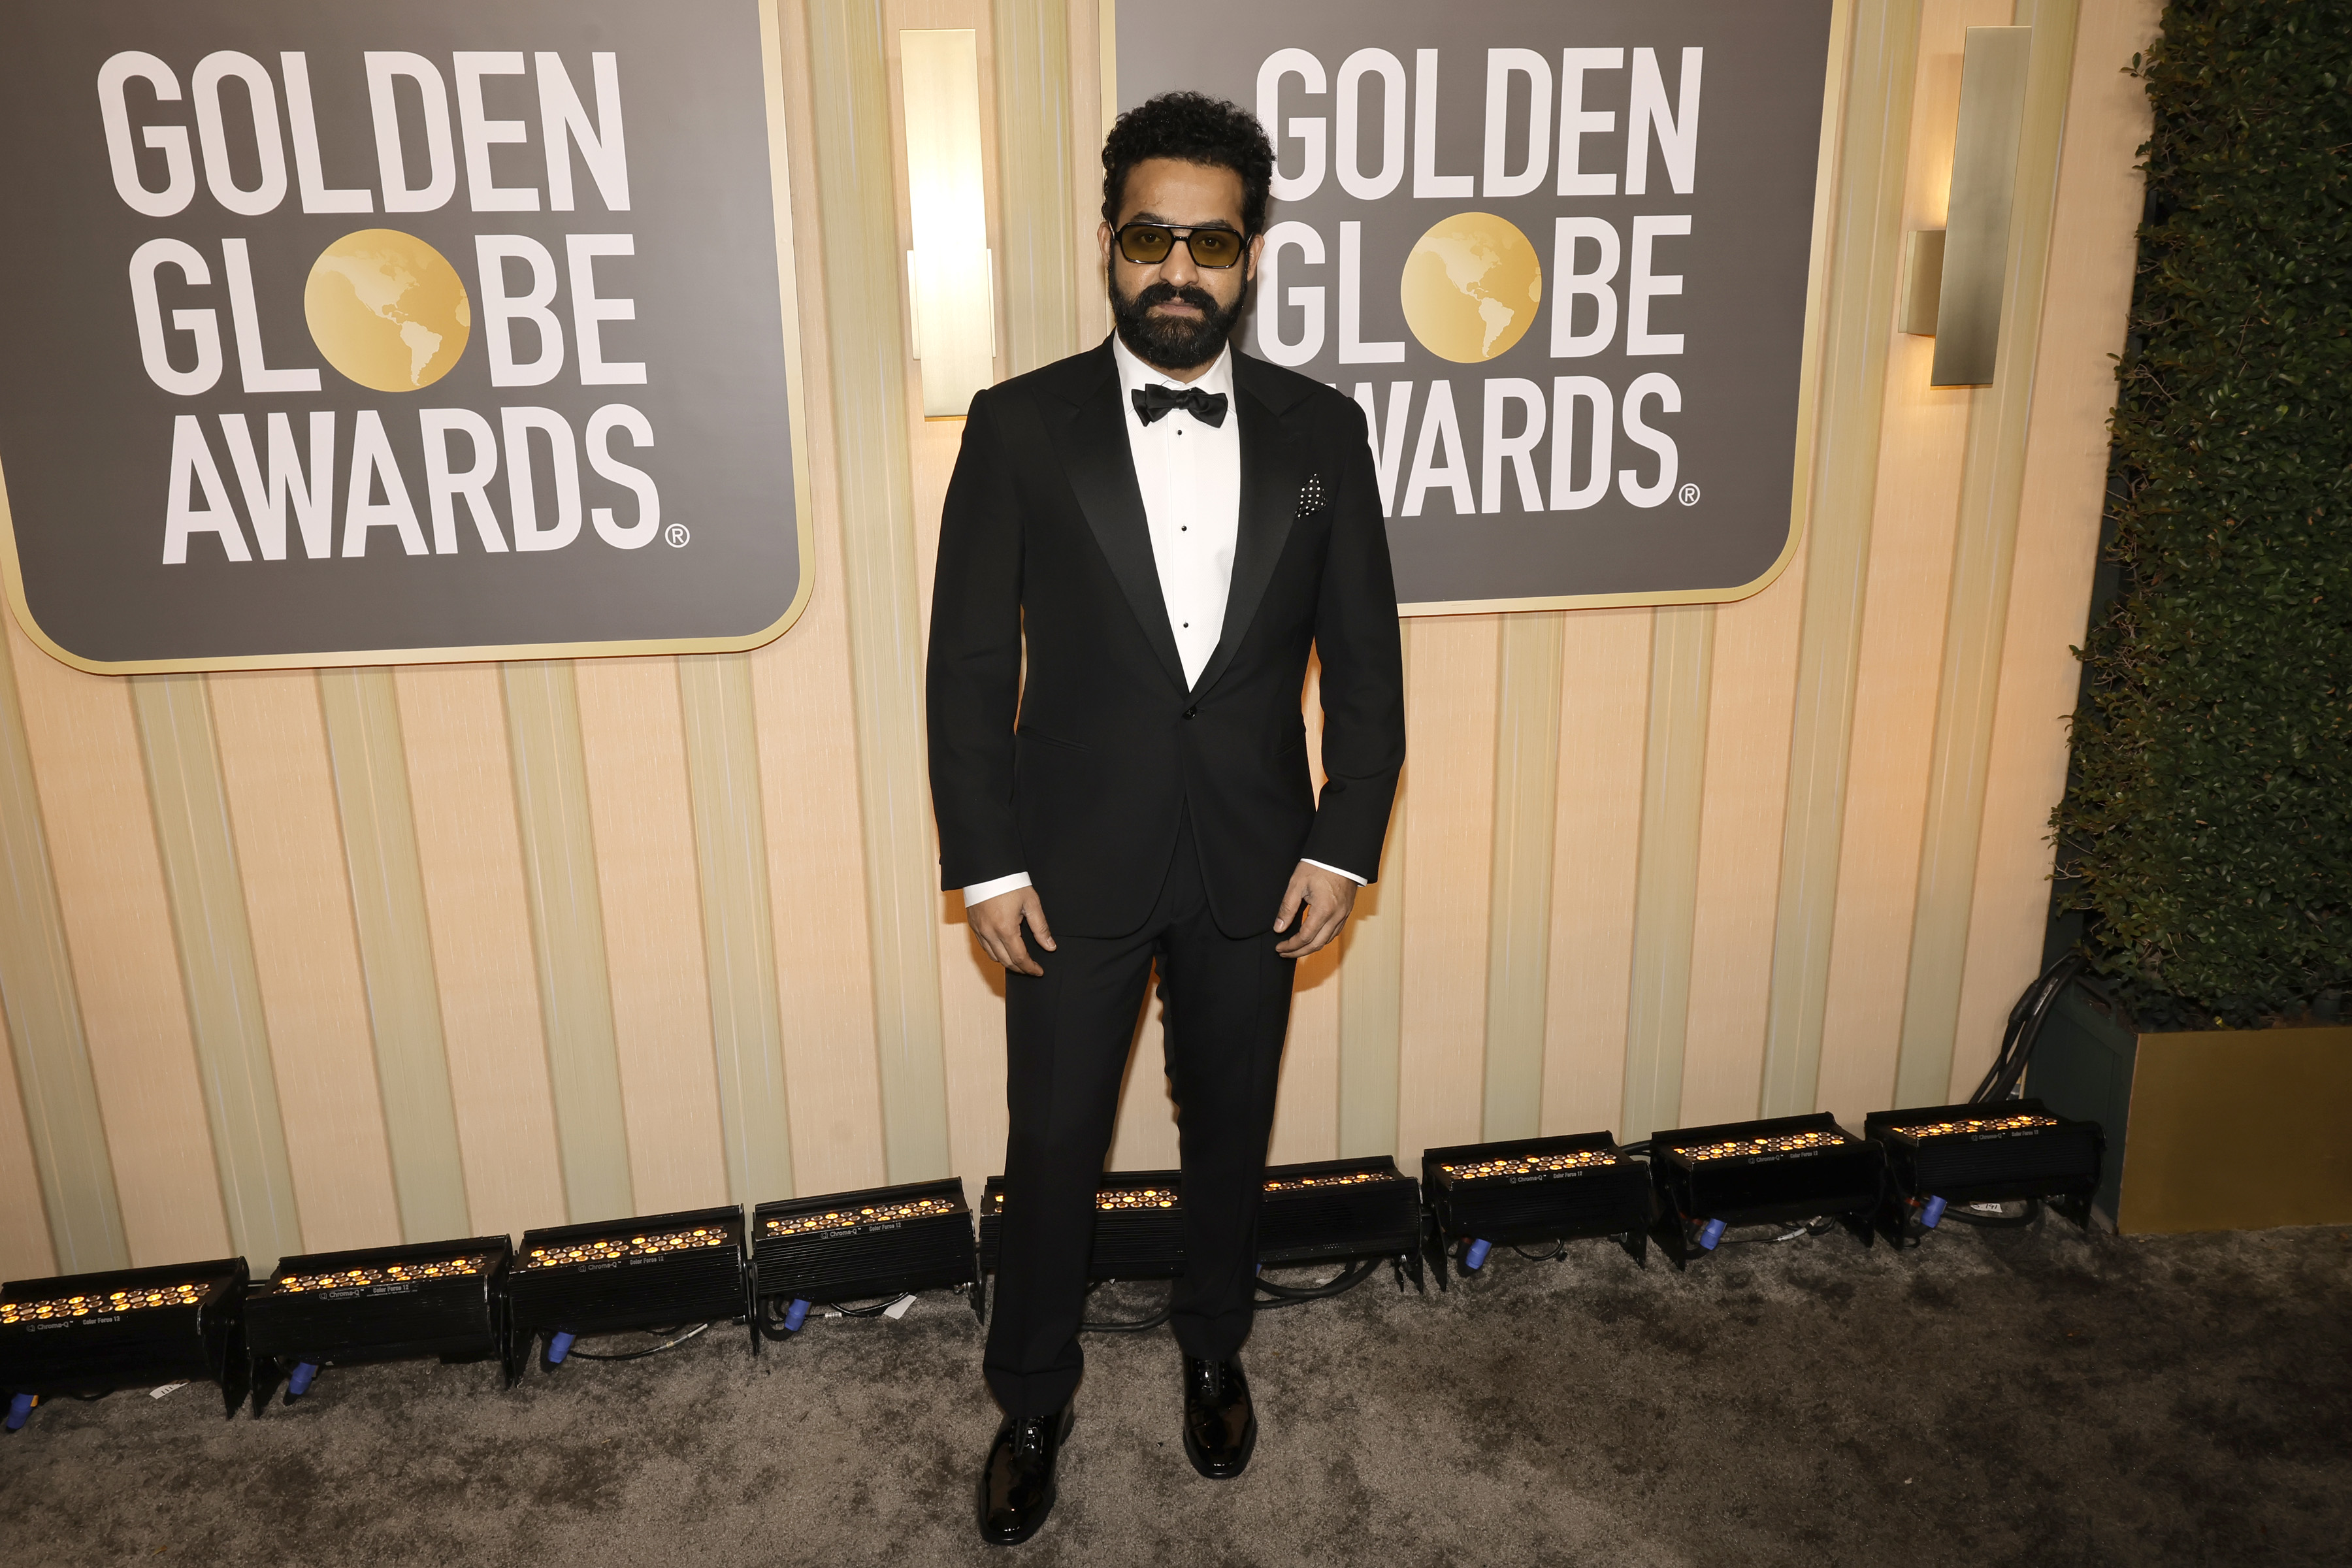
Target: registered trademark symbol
pixel 1687 495
pixel 677 535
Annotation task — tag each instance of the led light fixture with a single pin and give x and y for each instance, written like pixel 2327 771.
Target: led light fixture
pixel 1999 1153
pixel 1529 1191
pixel 1341 1210
pixel 609 1276
pixel 857 1247
pixel 444 1299
pixel 129 1328
pixel 1782 1169
pixel 1138 1225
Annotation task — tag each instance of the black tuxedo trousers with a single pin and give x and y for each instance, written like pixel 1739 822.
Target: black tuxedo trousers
pixel 1226 1003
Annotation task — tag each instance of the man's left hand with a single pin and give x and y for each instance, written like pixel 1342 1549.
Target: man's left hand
pixel 1326 899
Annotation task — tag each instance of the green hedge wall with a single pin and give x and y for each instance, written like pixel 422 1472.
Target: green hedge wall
pixel 2207 828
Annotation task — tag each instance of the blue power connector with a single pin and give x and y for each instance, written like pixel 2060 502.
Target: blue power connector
pixel 1931 1213
pixel 19 1407
pixel 1709 1234
pixel 299 1384
pixel 1477 1257
pixel 559 1345
pixel 795 1315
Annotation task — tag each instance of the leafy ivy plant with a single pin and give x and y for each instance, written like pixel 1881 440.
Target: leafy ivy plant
pixel 2207 826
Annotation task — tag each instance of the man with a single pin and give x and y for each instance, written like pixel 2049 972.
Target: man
pixel 1171 527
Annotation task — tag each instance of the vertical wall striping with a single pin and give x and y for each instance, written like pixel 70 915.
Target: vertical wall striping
pixel 722 767
pixel 216 946
pixel 1040 301
pixel 1674 779
pixel 420 1119
pixel 862 269
pixel 1518 949
pixel 567 920
pixel 45 1029
pixel 1991 488
pixel 1863 273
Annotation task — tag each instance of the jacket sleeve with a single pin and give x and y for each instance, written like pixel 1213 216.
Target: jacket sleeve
pixel 1363 668
pixel 973 678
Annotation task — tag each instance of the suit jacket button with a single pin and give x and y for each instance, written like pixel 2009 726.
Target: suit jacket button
pixel 1193 712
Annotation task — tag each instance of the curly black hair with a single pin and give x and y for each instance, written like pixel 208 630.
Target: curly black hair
pixel 1194 128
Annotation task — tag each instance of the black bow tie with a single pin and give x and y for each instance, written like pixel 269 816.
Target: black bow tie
pixel 1151 402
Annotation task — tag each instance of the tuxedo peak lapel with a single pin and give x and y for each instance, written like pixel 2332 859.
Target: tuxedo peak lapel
pixel 1101 471
pixel 1274 466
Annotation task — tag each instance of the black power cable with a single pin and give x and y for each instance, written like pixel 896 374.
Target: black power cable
pixel 2025 1020
pixel 640 1355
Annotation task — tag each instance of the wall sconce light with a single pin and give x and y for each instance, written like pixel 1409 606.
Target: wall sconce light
pixel 1953 277
pixel 950 273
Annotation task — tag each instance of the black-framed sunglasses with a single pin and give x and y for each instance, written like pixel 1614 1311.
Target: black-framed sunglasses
pixel 1148 243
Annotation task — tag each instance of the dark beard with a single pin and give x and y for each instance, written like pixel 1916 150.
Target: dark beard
pixel 1165 341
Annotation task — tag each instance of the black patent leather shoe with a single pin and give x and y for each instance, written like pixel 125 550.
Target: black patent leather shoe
pixel 1016 1484
pixel 1220 1426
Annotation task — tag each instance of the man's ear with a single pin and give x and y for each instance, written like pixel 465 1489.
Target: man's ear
pixel 1256 245
pixel 1102 240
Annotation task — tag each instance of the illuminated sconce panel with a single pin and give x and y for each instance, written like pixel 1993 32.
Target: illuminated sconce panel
pixel 951 274
pixel 1975 260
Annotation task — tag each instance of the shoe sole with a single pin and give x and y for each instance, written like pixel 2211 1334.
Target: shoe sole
pixel 1052 1494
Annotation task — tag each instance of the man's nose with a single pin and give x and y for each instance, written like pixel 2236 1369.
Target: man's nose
pixel 1178 268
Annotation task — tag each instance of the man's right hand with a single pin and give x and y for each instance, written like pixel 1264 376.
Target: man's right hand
pixel 997 922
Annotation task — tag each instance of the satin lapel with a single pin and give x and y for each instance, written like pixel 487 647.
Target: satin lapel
pixel 1274 463
pixel 1102 475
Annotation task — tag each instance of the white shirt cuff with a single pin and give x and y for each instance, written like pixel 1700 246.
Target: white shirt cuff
pixel 1335 870
pixel 981 892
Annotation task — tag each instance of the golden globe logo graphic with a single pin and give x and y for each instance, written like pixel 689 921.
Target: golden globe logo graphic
pixel 1470 288
pixel 387 309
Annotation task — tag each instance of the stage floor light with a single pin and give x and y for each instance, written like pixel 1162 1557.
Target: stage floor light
pixel 885 1242
pixel 1781 1169
pixel 611 1277
pixel 126 1328
pixel 443 1298
pixel 2005 1151
pixel 1138 1225
pixel 1528 1191
pixel 1340 1211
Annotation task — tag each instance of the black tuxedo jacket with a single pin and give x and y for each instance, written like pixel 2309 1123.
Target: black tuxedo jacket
pixel 1082 776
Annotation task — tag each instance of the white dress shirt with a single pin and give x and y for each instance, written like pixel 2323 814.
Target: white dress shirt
pixel 1190 472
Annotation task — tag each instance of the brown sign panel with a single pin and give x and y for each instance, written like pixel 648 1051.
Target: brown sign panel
pixel 1558 250
pixel 450 329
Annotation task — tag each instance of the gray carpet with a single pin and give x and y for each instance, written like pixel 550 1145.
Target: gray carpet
pixel 2038 1398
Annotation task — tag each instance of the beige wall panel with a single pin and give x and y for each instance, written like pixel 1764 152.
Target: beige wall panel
pixel 809 774
pixel 468 846
pixel 1665 899
pixel 864 272
pixel 1093 106
pixel 73 1189
pixel 632 740
pixel 126 966
pixel 1863 267
pixel 1449 821
pixel 25 1250
pixel 1604 715
pixel 1526 809
pixel 1910 570
pixel 2092 251
pixel 1923 436
pixel 1740 820
pixel 1038 143
pixel 298 901
pixel 1992 493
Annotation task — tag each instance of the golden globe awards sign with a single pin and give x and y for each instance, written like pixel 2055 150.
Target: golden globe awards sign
pixel 1558 252
pixel 342 333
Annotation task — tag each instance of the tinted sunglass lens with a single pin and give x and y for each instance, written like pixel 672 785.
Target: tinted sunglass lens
pixel 1215 246
pixel 1144 245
